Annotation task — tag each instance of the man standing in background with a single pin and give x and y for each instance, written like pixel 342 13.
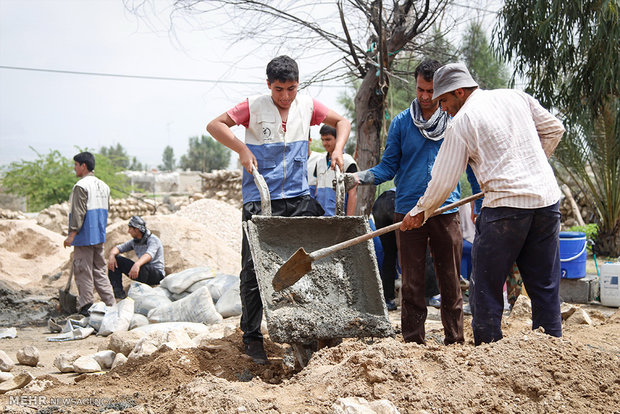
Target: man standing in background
pixel 88 218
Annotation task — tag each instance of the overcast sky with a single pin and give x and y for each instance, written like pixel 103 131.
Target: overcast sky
pixel 51 110
pixel 44 107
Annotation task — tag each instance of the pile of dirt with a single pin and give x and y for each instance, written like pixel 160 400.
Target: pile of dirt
pixel 29 253
pixel 187 243
pixel 527 371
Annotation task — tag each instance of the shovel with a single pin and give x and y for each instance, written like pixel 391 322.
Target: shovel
pixel 68 301
pixel 300 262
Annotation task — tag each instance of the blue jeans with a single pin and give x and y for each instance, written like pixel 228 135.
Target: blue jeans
pixel 529 237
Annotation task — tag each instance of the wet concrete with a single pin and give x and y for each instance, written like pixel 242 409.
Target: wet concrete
pixel 340 297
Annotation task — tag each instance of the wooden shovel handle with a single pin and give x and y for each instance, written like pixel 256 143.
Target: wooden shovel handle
pixel 317 254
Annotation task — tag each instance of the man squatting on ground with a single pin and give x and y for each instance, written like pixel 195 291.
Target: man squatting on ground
pixel 148 269
pixel 325 175
pixel 413 141
pixel 88 218
pixel 506 136
pixel 277 127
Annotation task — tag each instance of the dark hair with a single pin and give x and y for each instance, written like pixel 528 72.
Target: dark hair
pixel 427 69
pixel 283 69
pixel 327 130
pixel 85 158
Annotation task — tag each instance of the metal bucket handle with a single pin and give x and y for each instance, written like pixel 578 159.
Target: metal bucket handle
pixel 339 192
pixel 263 189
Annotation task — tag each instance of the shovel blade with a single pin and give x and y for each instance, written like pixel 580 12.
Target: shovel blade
pixel 68 301
pixel 294 269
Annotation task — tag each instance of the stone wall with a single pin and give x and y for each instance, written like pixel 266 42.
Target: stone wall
pixel 224 185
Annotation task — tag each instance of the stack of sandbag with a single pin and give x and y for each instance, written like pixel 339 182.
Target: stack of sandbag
pixel 194 295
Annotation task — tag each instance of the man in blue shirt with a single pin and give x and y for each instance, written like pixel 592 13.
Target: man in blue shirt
pixel 414 139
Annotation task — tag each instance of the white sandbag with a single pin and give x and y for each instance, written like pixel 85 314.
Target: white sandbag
pixel 198 285
pixel 178 296
pixel 192 328
pixel 97 312
pixel 197 307
pixel 220 284
pixel 143 304
pixel 230 303
pixel 160 290
pixel 118 317
pixel 137 289
pixel 179 282
pixel 138 320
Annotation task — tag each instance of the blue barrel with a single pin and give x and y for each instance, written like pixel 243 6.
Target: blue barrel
pixel 573 254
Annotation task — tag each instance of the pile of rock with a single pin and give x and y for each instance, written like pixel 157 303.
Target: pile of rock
pixel 11 215
pixel 224 185
pixel 124 208
pixel 569 218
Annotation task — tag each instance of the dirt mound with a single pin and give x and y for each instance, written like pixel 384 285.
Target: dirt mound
pixel 29 252
pixel 527 371
pixel 223 220
pixel 186 244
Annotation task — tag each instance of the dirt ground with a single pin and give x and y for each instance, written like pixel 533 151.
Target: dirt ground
pixel 527 371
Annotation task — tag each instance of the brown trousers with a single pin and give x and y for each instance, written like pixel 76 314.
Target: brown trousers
pixel 90 271
pixel 446 243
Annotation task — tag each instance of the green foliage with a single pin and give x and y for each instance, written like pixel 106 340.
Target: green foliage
pixel 205 154
pixel 465 186
pixel 110 174
pixel 486 69
pixel 167 159
pixel 569 49
pixel 383 187
pixel 571 53
pixel 44 181
pixel 590 230
pixel 117 155
pixel 50 178
pixel 120 159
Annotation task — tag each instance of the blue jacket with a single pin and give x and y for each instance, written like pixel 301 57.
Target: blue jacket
pixel 408 159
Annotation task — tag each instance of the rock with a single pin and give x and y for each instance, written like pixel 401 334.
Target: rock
pixel 86 364
pixel 125 342
pixel 580 317
pixel 180 339
pixel 566 309
pixel 18 382
pixel 6 363
pixel 8 333
pixel 217 331
pixel 6 376
pixel 522 308
pixel 64 361
pixel 105 358
pixel 137 321
pixel 143 347
pixel 358 405
pixel 28 355
pixel 119 359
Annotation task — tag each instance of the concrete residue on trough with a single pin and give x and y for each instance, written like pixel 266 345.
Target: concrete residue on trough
pixel 340 297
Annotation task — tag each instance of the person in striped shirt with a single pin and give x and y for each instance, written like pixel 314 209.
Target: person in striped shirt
pixel 507 137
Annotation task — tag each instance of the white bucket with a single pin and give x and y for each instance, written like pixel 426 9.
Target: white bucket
pixel 610 284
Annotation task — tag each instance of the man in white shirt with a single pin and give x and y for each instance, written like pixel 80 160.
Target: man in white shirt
pixel 506 136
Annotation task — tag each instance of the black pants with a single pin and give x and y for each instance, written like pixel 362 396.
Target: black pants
pixel 251 303
pixel 148 274
pixel 383 213
pixel 529 237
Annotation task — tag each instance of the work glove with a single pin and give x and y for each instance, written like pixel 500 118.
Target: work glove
pixel 352 180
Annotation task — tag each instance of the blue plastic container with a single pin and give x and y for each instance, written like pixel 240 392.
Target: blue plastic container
pixel 573 254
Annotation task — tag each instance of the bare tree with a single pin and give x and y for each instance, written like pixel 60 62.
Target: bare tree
pixel 366 36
